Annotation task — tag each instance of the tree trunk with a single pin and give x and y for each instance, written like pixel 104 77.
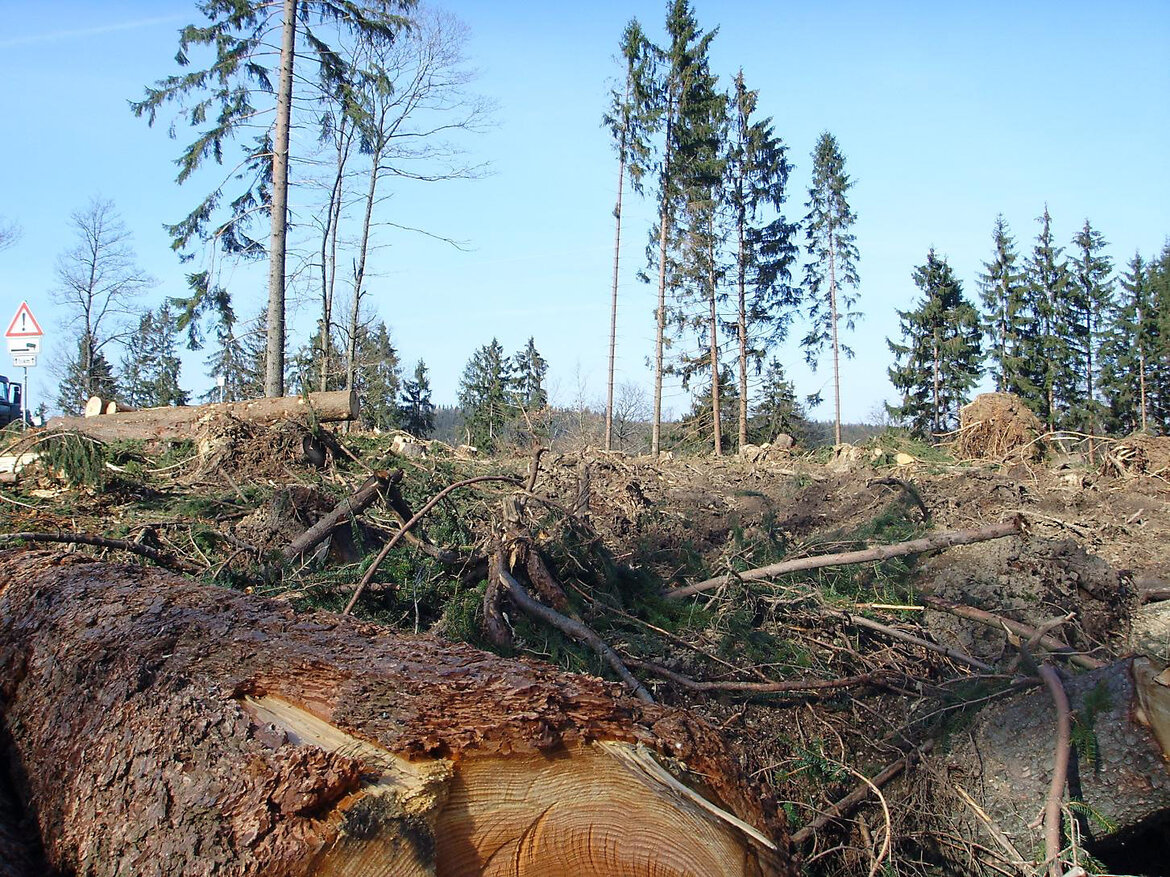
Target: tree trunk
pixel 274 368
pixel 741 324
pixel 160 727
pixel 617 253
pixel 660 314
pixel 716 414
pixel 1121 738
pixel 836 343
pixel 183 422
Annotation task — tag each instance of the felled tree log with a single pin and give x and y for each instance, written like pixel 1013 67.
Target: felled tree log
pixel 183 422
pixel 161 727
pixel 1121 761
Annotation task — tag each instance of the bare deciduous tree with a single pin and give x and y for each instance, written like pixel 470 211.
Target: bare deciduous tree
pixel 98 281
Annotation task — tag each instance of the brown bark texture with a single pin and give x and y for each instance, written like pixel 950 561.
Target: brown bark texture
pixel 1120 767
pixel 157 726
pixel 183 422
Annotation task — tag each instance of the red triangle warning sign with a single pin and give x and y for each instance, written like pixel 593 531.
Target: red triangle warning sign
pixel 24 324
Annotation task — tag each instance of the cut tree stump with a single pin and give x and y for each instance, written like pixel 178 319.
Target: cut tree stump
pixel 160 727
pixel 183 422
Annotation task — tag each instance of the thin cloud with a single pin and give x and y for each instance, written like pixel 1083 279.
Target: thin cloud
pixel 62 35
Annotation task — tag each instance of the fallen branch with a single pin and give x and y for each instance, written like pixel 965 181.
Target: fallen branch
pixel 161 558
pixel 754 687
pixel 431 503
pixel 878 552
pixel 354 504
pixel 571 628
pixel 851 801
pixel 953 654
pixel 1051 643
pixel 1052 804
pixel 402 510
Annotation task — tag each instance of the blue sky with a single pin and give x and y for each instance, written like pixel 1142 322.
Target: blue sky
pixel 947 113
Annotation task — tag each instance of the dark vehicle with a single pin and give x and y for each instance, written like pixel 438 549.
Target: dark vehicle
pixel 11 397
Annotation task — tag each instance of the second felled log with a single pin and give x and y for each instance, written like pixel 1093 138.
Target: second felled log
pixel 161 727
pixel 182 422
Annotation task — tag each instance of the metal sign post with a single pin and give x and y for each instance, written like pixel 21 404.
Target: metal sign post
pixel 24 343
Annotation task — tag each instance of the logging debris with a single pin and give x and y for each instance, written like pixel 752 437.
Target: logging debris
pixel 594 538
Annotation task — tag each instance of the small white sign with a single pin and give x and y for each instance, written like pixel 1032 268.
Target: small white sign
pixel 24 360
pixel 23 345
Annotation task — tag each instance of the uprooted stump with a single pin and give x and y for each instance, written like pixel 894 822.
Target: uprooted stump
pixel 998 426
pixel 161 727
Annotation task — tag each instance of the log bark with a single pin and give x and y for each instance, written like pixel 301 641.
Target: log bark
pixel 1119 768
pixel 878 552
pixel 162 727
pixel 183 422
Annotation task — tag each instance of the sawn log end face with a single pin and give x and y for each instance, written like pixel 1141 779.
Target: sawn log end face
pixel 165 727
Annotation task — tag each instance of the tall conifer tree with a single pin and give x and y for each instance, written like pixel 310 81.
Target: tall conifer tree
pixel 416 412
pixel 832 266
pixel 219 102
pixel 1006 323
pixel 1130 351
pixel 630 119
pixel 1046 363
pixel 757 170
pixel 682 88
pixel 1084 312
pixel 939 360
pixel 485 395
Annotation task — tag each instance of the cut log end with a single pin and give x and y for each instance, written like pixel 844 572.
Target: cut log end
pixel 606 809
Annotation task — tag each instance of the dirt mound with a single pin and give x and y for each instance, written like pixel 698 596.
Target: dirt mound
pixel 998 426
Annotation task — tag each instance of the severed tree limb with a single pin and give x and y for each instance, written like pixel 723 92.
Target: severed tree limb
pixel 754 687
pixel 160 557
pixel 847 804
pixel 953 654
pixel 878 552
pixel 571 628
pixel 1052 804
pixel 354 504
pixel 397 537
pixel 402 510
pixel 1051 643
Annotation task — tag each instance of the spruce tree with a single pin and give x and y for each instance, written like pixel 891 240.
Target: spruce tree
pixel 778 411
pixel 377 379
pixel 232 364
pixel 832 265
pixel 1046 368
pixel 87 374
pixel 630 119
pixel 416 412
pixel 529 369
pixel 1159 389
pixel 757 171
pixel 1084 313
pixel 939 360
pixel 150 369
pixel 220 103
pixel 1129 351
pixel 1006 323
pixel 486 395
pixel 684 87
